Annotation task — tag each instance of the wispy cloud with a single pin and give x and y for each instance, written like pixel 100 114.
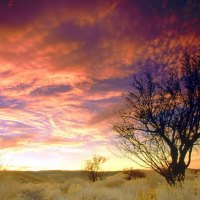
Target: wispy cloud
pixel 50 90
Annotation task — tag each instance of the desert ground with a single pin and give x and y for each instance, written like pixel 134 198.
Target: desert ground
pixel 74 185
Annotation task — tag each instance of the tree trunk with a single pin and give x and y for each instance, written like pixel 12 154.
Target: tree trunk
pixel 175 173
pixel 92 175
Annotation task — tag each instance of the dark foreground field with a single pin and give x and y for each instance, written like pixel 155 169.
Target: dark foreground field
pixel 74 185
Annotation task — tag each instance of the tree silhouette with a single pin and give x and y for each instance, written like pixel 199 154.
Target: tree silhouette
pixel 161 125
pixel 93 166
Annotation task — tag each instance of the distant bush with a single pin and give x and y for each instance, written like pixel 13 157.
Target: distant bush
pixel 130 173
pixel 195 171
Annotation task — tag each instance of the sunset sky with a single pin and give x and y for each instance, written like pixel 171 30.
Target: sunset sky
pixel 64 65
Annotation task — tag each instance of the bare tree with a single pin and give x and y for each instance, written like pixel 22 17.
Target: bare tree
pixel 93 167
pixel 161 125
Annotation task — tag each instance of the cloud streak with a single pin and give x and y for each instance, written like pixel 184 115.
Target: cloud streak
pixel 50 90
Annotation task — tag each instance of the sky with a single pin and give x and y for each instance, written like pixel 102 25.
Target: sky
pixel 65 64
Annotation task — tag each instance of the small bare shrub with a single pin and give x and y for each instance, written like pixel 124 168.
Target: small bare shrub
pixel 93 167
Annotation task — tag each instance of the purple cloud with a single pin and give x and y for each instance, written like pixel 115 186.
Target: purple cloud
pixel 50 90
pixel 9 102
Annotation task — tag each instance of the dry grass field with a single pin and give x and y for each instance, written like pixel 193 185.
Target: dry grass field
pixel 73 185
